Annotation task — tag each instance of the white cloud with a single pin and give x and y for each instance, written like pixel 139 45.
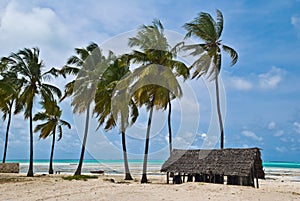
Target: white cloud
pixel 271 79
pixel 297 127
pixel 180 142
pixel 203 136
pixel 295 21
pixel 279 133
pixel 251 135
pixel 272 125
pixel 38 26
pixel 240 83
pixel 281 149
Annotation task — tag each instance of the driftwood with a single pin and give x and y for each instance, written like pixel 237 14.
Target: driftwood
pixel 97 171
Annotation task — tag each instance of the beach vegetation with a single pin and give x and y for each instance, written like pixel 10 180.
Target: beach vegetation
pixel 82 88
pixel 53 125
pixel 9 90
pixel 155 59
pixel 112 102
pixel 209 53
pixel 28 66
pixel 80 177
pixel 105 86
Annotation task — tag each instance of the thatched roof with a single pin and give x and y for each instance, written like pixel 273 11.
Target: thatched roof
pixel 228 162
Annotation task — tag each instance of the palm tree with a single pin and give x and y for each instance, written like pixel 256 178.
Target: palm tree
pixel 155 56
pixel 10 95
pixel 209 53
pixel 88 65
pixel 52 115
pixel 9 85
pixel 110 103
pixel 28 67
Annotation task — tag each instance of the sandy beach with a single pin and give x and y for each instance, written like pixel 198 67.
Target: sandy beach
pixel 113 187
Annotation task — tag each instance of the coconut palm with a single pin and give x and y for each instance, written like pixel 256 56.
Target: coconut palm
pixel 209 30
pixel 5 84
pixel 28 67
pixel 88 66
pixel 155 55
pixel 52 115
pixel 9 95
pixel 110 103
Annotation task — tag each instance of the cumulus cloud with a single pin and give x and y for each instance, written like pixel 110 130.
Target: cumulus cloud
pixel 37 26
pixel 297 127
pixel 295 21
pixel 272 125
pixel 279 133
pixel 268 80
pixel 240 83
pixel 252 135
pixel 281 149
pixel 203 136
pixel 271 79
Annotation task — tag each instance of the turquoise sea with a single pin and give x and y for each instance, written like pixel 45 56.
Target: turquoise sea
pixel 109 166
pixel 272 169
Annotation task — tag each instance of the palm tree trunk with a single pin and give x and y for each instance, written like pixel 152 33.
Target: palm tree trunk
pixel 219 114
pixel 144 177
pixel 30 170
pixel 52 152
pixel 170 126
pixel 127 171
pixel 7 132
pixel 87 119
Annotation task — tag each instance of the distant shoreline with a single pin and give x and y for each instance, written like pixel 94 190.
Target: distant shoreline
pixel 273 170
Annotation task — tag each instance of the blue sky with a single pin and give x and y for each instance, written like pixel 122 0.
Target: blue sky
pixel 261 92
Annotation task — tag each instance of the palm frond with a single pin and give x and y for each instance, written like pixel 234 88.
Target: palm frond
pixel 201 66
pixel 40 116
pixel 92 46
pixel 180 69
pixel 60 132
pixel 39 127
pixel 69 70
pixel 53 89
pixel 232 53
pixel 197 49
pixel 69 88
pixel 53 71
pixel 219 23
pixel 75 60
pixel 65 123
pixel 110 123
pixel 47 129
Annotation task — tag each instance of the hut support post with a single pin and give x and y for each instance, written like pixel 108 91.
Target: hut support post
pixel 257 185
pixel 168 181
pixel 252 177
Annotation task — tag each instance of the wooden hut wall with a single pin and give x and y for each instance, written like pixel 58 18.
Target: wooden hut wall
pixel 240 166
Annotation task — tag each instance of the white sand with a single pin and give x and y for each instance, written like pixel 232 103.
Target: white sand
pixel 19 187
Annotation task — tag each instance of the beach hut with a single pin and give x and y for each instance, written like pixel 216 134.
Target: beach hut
pixel 237 166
